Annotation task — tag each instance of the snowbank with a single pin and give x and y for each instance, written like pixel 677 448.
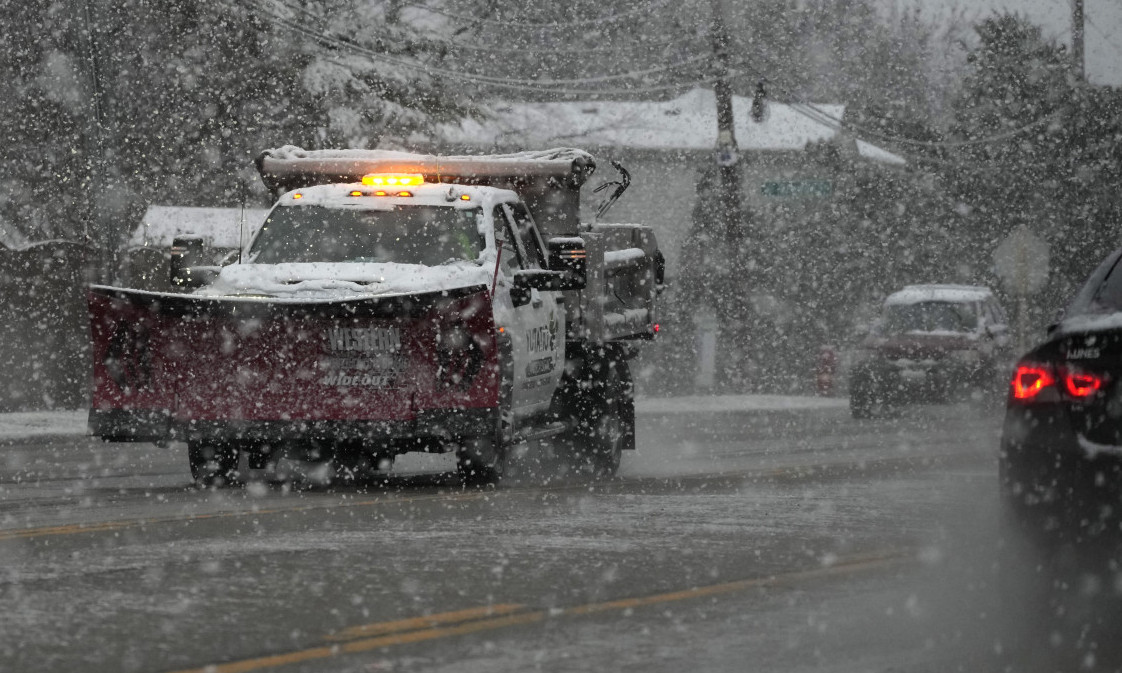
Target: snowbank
pixel 693 404
pixel 39 423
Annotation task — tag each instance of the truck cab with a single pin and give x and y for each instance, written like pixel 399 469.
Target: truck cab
pixel 395 234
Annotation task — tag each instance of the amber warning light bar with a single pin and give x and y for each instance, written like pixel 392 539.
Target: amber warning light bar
pixel 393 180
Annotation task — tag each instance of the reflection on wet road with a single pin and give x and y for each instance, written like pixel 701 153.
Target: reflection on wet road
pixel 790 540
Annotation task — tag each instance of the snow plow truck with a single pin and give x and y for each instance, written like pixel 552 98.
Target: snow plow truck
pixel 392 302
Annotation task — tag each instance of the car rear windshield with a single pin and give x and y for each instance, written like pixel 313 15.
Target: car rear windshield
pixel 1102 293
pixel 428 235
pixel 930 316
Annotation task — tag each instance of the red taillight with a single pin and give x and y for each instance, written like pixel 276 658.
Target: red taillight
pixel 1030 380
pixel 1082 384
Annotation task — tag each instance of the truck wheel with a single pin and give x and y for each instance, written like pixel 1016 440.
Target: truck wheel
pixel 481 461
pixel 213 463
pixel 609 425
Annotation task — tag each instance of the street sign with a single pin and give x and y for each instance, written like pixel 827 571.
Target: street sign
pixel 1021 261
pixel 797 188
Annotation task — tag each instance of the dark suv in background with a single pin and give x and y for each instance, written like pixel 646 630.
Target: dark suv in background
pixel 930 343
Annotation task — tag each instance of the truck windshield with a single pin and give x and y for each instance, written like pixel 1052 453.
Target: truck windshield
pixel 930 316
pixel 428 235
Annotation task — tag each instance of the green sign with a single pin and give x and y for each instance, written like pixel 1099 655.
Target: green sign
pixel 798 188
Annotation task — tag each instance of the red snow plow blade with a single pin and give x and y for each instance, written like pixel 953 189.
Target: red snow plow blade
pixel 173 366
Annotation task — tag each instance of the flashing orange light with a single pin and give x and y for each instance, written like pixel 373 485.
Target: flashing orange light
pixel 380 192
pixel 356 193
pixel 1030 380
pixel 465 197
pixel 393 179
pixel 1082 384
pixel 405 193
pixel 297 195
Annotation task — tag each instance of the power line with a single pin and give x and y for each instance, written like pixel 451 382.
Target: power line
pixel 825 117
pixel 541 86
pixel 645 8
pixel 456 44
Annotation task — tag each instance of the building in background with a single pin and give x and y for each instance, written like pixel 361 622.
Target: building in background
pixel 219 232
pixel 668 145
pixel 799 175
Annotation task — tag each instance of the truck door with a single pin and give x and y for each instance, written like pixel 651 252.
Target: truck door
pixel 538 335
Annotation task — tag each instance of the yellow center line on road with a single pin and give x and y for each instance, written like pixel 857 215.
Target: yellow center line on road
pixel 415 623
pixel 103 526
pixel 474 620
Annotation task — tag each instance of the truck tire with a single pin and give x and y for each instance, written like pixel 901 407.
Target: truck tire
pixel 481 461
pixel 598 402
pixel 213 463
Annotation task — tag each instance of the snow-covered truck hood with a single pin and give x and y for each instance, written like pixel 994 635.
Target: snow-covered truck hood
pixel 323 280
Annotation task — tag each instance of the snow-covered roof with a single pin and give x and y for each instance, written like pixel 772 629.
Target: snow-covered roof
pixel 220 227
pixel 688 122
pixel 913 294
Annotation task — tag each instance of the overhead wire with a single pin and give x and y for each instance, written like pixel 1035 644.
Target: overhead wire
pixel 457 44
pixel 645 8
pixel 822 116
pixel 550 86
pixel 539 85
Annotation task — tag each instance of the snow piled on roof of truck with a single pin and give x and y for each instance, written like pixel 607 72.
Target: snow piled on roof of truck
pixel 559 154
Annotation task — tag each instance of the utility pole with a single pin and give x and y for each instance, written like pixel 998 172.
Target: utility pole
pixel 1077 48
pixel 96 227
pixel 728 154
pixel 730 292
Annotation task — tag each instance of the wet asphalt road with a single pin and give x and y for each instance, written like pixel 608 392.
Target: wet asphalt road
pixel 729 542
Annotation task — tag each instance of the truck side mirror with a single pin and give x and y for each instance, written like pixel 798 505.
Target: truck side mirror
pixel 541 279
pixel 568 254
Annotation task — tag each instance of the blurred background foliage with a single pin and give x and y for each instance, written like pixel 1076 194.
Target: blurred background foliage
pixel 107 107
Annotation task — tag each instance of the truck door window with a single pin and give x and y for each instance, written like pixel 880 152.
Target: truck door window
pixel 509 261
pixel 527 234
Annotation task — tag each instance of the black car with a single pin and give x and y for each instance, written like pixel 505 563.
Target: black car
pixel 1061 445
